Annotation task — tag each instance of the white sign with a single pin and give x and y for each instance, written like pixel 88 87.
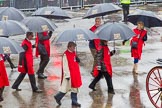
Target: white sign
pixel 6 50
pixel 117 36
pixel 80 36
pixel 44 27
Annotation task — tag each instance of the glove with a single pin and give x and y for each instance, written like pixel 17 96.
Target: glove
pixel 77 59
pixel 68 78
pixel 113 51
pixel 98 67
pixel 50 33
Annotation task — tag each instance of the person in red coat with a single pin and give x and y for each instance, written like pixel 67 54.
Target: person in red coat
pixel 43 49
pixel 139 39
pixel 3 77
pixel 94 44
pixel 26 64
pixel 104 67
pixel 71 77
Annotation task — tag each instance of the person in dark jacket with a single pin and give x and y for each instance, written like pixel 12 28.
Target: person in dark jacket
pixel 26 64
pixel 104 67
pixel 43 49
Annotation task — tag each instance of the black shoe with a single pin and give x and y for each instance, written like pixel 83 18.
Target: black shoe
pixel 12 67
pixel 38 91
pixel 58 101
pixel 92 88
pixel 41 76
pixel 1 99
pixel 111 91
pixel 76 104
pixel 17 89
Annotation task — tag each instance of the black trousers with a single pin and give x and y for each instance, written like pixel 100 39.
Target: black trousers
pixel 125 11
pixel 43 63
pixel 21 77
pixel 107 78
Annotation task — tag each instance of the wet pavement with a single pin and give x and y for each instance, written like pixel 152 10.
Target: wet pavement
pixel 130 90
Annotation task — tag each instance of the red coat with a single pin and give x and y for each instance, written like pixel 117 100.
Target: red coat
pixel 96 41
pixel 106 59
pixel 26 59
pixel 3 74
pixel 136 53
pixel 75 75
pixel 46 43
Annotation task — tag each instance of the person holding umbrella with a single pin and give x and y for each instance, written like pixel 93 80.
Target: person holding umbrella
pixel 26 64
pixel 71 77
pixel 125 5
pixel 43 49
pixel 137 43
pixel 94 44
pixel 3 77
pixel 104 67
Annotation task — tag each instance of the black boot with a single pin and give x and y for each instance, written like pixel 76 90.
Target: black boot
pixel 58 97
pixel 18 81
pixel 109 83
pixel 75 100
pixel 94 82
pixel 43 63
pixel 33 84
pixel 1 92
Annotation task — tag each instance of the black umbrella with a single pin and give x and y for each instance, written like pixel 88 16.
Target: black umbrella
pixel 76 34
pixel 12 28
pixel 51 13
pixel 114 31
pixel 101 10
pixel 39 24
pixel 149 18
pixel 11 13
pixel 8 46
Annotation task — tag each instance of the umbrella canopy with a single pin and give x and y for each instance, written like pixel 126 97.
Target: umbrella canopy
pixel 12 28
pixel 39 24
pixel 101 10
pixel 76 34
pixel 11 13
pixel 8 46
pixel 114 31
pixel 51 13
pixel 149 18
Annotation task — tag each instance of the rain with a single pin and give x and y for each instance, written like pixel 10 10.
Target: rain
pixel 131 90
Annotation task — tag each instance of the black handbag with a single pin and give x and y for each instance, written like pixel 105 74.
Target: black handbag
pixel 42 49
pixel 134 44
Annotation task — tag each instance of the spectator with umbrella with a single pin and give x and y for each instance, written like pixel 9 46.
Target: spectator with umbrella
pixel 137 43
pixel 43 49
pixel 110 32
pixel 7 46
pixel 26 64
pixel 104 67
pixel 94 44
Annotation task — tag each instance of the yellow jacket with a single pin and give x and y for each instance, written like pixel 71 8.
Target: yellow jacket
pixel 125 1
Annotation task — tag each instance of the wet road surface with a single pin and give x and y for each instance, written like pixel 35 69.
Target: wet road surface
pixel 130 90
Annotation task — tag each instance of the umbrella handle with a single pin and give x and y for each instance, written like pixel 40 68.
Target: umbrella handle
pixel 114 44
pixel 76 48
